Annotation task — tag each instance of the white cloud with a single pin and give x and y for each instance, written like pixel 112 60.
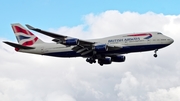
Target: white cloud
pixel 113 22
pixel 27 77
pixel 165 95
pixel 127 88
pixel 58 97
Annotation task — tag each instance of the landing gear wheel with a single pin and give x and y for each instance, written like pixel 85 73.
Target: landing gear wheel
pixel 101 64
pixel 155 55
pixel 91 60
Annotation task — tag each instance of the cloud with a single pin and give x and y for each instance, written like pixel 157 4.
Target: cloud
pixel 55 97
pixel 127 88
pixel 171 94
pixel 28 77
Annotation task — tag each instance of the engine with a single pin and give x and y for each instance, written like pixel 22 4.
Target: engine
pixel 118 58
pixel 73 41
pixel 101 48
pixel 106 60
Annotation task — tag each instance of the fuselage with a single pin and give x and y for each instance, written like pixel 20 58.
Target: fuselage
pixel 133 42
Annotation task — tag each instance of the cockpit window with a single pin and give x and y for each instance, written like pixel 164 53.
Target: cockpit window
pixel 159 33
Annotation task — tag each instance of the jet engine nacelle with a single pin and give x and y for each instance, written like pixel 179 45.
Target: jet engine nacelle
pixel 106 60
pixel 73 41
pixel 101 48
pixel 118 58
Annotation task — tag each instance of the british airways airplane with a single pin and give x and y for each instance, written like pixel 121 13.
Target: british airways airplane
pixel 104 50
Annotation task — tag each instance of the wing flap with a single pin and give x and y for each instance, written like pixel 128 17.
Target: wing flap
pixel 88 50
pixel 86 43
pixel 112 48
pixel 81 42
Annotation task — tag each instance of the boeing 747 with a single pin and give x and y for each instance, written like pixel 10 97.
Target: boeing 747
pixel 104 50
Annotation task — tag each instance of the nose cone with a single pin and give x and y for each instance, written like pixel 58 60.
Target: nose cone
pixel 171 40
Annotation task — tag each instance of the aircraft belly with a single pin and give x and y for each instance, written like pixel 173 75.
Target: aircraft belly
pixel 124 50
pixel 141 48
pixel 136 48
pixel 61 52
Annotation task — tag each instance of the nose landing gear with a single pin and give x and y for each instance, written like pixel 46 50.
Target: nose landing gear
pixel 155 53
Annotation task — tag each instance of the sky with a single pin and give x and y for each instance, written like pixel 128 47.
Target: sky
pixel 57 13
pixel 28 77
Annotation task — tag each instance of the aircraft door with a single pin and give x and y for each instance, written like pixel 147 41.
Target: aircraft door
pixel 42 50
pixel 148 41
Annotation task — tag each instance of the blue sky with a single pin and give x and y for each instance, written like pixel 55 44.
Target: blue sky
pixel 25 77
pixel 56 13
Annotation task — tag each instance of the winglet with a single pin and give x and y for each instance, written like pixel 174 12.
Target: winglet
pixel 30 27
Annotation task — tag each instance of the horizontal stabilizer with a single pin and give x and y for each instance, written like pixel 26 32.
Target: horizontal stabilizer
pixel 18 45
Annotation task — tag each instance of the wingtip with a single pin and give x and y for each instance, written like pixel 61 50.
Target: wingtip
pixel 29 26
pixel 5 42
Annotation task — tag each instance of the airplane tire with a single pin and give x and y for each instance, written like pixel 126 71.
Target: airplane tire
pixel 155 55
pixel 101 64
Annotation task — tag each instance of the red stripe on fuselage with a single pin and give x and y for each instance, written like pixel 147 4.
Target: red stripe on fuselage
pixel 143 34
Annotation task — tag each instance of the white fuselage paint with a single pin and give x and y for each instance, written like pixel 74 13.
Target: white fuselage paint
pixel 156 39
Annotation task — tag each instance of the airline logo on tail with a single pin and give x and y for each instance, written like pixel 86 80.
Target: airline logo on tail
pixel 24 37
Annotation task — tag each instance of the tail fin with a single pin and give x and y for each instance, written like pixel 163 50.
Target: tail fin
pixel 24 36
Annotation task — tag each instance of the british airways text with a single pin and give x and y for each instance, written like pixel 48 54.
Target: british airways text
pixel 120 40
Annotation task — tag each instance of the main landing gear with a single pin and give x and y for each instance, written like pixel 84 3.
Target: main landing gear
pixel 155 53
pixel 91 60
pixel 100 63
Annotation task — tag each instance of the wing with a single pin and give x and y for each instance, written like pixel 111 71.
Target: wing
pixel 82 47
pixel 66 40
pixel 86 50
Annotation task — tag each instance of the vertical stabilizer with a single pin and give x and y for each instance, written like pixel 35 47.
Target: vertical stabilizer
pixel 24 36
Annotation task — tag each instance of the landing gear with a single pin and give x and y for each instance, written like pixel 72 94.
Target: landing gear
pixel 100 63
pixel 91 60
pixel 155 53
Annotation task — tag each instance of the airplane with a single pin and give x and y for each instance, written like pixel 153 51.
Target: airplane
pixel 104 50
